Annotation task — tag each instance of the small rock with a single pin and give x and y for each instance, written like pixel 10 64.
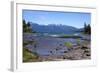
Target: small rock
pixel 65 51
pixel 84 47
pixel 87 54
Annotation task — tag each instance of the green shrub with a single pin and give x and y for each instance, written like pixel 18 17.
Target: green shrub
pixel 68 44
pixel 29 56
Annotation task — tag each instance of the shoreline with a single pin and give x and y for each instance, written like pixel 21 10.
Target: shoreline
pixel 55 49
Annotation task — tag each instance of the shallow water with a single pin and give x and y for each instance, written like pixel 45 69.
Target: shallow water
pixel 46 45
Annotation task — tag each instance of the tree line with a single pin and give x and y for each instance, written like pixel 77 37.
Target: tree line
pixel 27 27
pixel 87 28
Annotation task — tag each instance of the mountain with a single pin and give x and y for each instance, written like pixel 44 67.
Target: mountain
pixel 81 30
pixel 53 28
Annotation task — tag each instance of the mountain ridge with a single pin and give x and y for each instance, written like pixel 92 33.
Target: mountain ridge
pixel 53 28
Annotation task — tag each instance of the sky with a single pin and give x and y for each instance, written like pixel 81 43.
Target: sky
pixel 75 19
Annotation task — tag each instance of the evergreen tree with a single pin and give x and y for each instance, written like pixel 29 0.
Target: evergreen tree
pixel 24 26
pixel 87 28
pixel 27 27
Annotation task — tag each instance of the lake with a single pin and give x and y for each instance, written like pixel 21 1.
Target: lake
pixel 50 45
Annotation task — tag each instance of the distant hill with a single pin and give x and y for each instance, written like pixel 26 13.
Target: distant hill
pixel 54 28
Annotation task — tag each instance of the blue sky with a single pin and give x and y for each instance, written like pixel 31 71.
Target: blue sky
pixel 75 19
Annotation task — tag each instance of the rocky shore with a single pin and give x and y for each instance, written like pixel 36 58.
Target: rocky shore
pixel 56 49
